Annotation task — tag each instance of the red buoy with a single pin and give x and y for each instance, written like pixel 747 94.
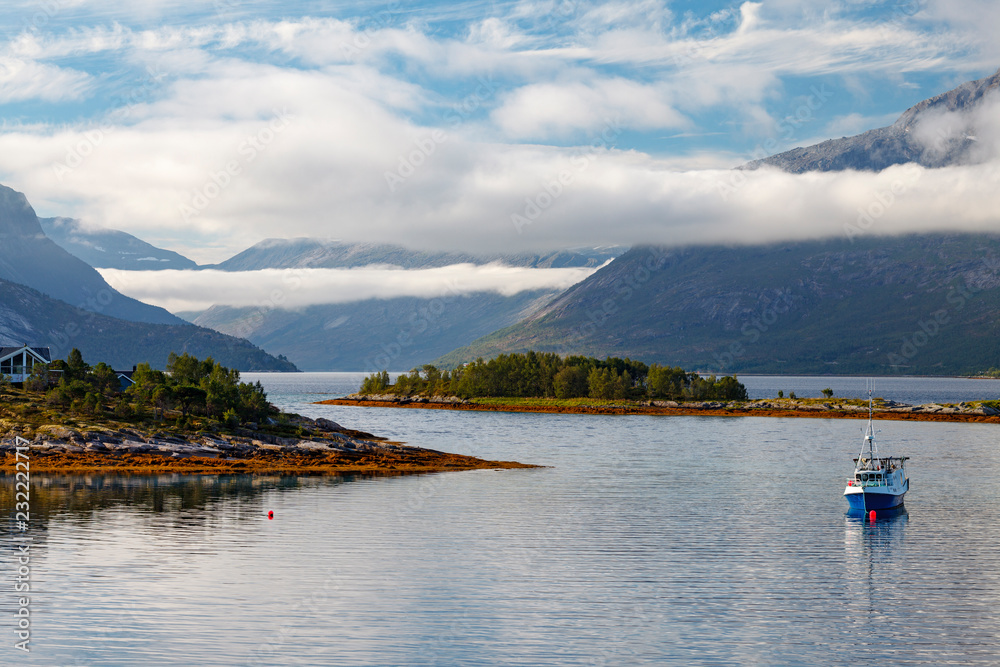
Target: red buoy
pixel 270 514
pixel 871 515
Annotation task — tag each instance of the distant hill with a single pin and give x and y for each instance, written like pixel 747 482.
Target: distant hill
pixel 937 132
pixel 350 336
pixel 328 254
pixel 28 316
pixel 377 334
pixel 110 248
pixel 30 258
pixel 914 305
pixel 365 335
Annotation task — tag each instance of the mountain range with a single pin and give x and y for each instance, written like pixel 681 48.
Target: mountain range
pixel 301 253
pixel 368 334
pixel 48 297
pixel 915 304
pixel 110 248
pixel 372 334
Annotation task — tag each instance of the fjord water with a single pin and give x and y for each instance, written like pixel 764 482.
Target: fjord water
pixel 646 540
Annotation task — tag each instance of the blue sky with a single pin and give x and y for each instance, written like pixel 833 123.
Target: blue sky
pixel 208 126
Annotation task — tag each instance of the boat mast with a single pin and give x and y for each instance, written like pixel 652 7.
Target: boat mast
pixel 869 442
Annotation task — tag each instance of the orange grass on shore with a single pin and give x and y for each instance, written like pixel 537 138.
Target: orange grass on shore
pixel 411 460
pixel 673 411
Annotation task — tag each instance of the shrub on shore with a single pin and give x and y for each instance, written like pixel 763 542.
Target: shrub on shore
pixel 191 386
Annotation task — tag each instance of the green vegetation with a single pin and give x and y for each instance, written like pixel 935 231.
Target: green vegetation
pixel 547 375
pixel 190 390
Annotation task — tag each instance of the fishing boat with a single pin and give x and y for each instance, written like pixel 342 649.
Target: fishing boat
pixel 879 482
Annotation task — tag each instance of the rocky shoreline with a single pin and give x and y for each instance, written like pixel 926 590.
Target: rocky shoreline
pixel 830 408
pixel 324 446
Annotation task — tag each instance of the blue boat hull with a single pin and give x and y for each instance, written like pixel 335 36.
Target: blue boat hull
pixel 874 501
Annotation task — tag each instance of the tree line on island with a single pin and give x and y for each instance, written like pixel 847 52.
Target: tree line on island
pixel 548 375
pixel 192 387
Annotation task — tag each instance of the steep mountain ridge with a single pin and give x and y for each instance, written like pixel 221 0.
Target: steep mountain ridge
pixel 29 257
pixel 110 248
pixel 937 132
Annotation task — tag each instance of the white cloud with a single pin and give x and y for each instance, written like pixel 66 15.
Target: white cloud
pixel 363 92
pixel 940 131
pixel 749 16
pixel 297 288
pixel 559 110
pixel 22 79
pixel 324 175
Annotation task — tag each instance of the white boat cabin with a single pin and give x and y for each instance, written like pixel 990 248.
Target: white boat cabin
pixel 18 362
pixel 886 471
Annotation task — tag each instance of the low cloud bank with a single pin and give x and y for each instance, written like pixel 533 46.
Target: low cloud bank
pixel 179 291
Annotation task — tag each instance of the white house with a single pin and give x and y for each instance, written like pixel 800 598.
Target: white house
pixel 17 362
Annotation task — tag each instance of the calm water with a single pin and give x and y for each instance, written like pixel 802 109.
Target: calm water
pixel 648 540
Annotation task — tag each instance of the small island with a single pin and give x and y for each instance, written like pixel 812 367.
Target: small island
pixel 195 418
pixel 548 383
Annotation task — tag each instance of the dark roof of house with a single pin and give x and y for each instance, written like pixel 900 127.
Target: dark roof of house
pixel 40 352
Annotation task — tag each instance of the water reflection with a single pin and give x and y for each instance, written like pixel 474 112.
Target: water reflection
pixel 177 499
pixel 873 549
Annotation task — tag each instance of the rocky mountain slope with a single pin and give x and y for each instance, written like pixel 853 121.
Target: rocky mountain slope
pixel 110 248
pixel 957 127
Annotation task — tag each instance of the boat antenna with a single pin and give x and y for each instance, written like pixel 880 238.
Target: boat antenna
pixel 869 442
